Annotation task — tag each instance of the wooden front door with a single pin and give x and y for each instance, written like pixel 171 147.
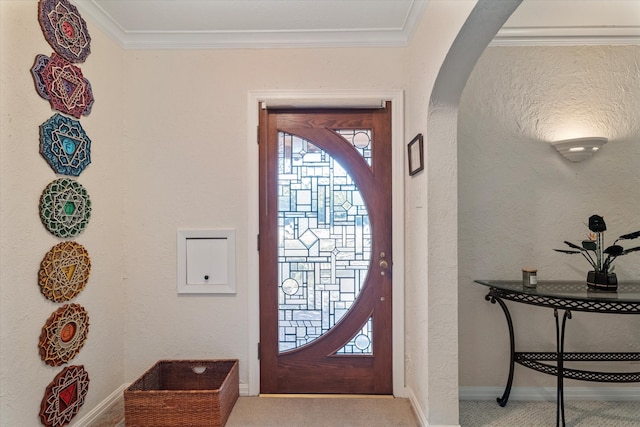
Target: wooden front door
pixel 325 251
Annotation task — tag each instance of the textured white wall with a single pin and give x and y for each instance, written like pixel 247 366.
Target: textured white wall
pixel 186 129
pixel 170 152
pixel 432 285
pixel 24 240
pixel 519 199
pixel 169 141
pixel 430 366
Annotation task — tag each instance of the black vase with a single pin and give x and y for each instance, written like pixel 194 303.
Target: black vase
pixel 602 281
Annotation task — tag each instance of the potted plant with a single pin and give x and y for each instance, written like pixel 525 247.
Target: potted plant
pixel 601 259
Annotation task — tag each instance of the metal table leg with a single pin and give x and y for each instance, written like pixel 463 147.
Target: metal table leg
pixel 560 331
pixel 502 401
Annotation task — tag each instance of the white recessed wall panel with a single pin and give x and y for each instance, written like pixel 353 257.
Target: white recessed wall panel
pixel 206 261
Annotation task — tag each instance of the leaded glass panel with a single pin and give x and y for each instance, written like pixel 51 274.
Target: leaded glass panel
pixel 360 139
pixel 361 343
pixel 324 242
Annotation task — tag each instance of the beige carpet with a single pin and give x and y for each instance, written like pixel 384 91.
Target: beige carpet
pixel 388 412
pixel 578 413
pixel 312 411
pixel 304 412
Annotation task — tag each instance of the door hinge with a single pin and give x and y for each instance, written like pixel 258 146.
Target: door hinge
pixel 258 242
pixel 258 135
pixel 259 349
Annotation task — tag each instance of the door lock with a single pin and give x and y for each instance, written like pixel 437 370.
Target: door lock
pixel 383 263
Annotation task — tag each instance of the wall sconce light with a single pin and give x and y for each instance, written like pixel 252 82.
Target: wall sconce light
pixel 579 149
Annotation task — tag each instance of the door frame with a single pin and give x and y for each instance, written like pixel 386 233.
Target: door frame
pixel 342 99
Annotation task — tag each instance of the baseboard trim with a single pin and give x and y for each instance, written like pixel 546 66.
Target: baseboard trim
pixel 416 407
pixel 102 407
pixel 549 393
pixel 244 389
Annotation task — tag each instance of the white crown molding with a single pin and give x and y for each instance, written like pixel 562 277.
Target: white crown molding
pixel 567 36
pixel 264 39
pixel 95 13
pixel 388 37
pixel 507 36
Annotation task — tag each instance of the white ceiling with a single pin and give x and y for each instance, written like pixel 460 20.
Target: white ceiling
pixel 145 24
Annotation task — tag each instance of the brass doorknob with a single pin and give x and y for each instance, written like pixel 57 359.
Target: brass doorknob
pixel 384 264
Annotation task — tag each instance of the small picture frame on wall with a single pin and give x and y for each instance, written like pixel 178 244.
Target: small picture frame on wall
pixel 416 155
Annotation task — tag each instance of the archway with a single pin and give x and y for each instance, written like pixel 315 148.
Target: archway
pixel 484 21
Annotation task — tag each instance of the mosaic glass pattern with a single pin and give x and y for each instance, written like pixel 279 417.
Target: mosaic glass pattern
pixel 361 343
pixel 324 244
pixel 64 396
pixel 64 29
pixel 65 208
pixel 64 271
pixel 360 139
pixel 65 145
pixel 64 334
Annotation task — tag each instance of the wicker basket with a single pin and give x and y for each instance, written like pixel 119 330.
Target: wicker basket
pixel 195 393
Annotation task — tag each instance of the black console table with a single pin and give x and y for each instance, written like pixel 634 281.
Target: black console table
pixel 565 296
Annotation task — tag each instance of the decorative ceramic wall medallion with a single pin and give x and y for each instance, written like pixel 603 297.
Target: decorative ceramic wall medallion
pixel 64 29
pixel 38 68
pixel 63 84
pixel 64 396
pixel 65 145
pixel 64 334
pixel 65 208
pixel 64 271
